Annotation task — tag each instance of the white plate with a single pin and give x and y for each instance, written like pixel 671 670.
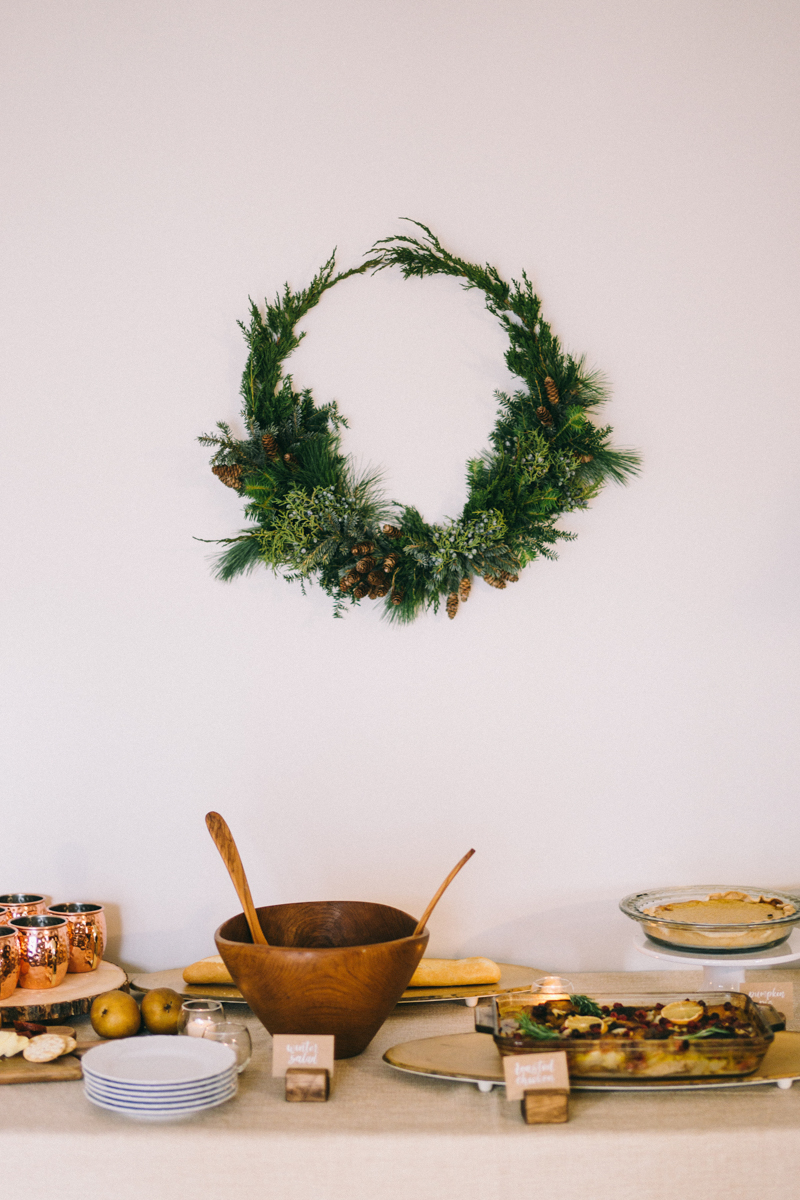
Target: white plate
pixel 156 1096
pixel 160 1114
pixel 100 1089
pixel 159 1060
pixel 160 1102
pixel 160 1089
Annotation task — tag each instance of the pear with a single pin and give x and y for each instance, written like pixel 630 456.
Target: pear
pixel 160 1010
pixel 115 1015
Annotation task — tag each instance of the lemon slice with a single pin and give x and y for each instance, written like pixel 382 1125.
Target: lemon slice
pixel 583 1024
pixel 681 1012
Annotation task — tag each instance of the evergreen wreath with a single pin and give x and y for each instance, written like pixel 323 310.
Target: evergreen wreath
pixel 312 516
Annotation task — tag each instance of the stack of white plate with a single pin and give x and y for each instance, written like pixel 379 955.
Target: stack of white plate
pixel 159 1078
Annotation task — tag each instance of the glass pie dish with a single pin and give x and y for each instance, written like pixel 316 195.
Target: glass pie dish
pixel 714 919
pixel 703 1034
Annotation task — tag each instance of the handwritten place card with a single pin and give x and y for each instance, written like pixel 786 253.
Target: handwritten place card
pixel 527 1072
pixel 306 1051
pixel 777 993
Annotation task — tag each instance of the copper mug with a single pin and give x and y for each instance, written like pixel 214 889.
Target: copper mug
pixel 9 960
pixel 44 950
pixel 22 904
pixel 87 934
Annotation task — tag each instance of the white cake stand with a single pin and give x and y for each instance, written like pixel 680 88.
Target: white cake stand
pixel 723 972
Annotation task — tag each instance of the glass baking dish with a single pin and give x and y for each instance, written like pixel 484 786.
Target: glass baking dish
pixel 710 935
pixel 608 1056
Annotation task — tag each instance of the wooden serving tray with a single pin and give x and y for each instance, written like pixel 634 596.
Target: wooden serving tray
pixel 70 999
pixel 19 1070
pixel 474 1058
pixel 511 978
pixel 193 991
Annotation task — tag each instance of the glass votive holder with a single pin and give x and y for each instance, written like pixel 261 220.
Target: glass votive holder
pixel 553 987
pixel 237 1036
pixel 198 1016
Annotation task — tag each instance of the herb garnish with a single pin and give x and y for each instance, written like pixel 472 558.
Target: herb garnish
pixel 532 1030
pixel 707 1033
pixel 585 1007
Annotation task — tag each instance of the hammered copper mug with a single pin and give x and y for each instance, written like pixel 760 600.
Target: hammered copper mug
pixel 9 960
pixel 22 904
pixel 87 934
pixel 44 950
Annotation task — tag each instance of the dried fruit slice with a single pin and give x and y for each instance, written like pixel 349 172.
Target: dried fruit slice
pixel 681 1012
pixel 584 1024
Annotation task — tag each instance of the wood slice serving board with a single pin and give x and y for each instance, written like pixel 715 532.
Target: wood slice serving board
pixel 71 998
pixel 474 1058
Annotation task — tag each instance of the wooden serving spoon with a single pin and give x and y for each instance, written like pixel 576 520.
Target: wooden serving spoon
pixel 223 840
pixel 424 918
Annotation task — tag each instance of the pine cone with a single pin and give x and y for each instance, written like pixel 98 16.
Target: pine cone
pixel 392 531
pixel 452 604
pixel 374 593
pixel 270 446
pixel 389 563
pixel 508 578
pixel 494 581
pixel 377 578
pixel 584 458
pixel 383 590
pixel 551 389
pixel 231 475
pixel 360 592
pixel 464 588
pixel 364 565
pixel 544 415
pixel 348 581
pixel 290 460
pixel 397 597
pixel 363 548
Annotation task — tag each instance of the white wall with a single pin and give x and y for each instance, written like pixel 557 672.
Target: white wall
pixel 620 719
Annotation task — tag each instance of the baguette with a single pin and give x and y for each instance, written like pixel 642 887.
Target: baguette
pixel 455 972
pixel 208 970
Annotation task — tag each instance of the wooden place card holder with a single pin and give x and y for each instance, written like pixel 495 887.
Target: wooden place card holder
pixel 541 1083
pixel 305 1062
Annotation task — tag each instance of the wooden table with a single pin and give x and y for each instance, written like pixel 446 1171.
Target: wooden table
pixel 386 1135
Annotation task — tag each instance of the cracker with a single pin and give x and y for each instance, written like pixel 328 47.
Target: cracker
pixel 45 1047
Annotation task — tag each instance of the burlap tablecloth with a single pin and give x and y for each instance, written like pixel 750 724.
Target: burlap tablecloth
pixel 385 1135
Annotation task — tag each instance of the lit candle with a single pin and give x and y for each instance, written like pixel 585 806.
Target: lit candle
pixel 198 1025
pixel 199 1016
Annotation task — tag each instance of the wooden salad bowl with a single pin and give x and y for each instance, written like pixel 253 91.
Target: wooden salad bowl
pixel 336 966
